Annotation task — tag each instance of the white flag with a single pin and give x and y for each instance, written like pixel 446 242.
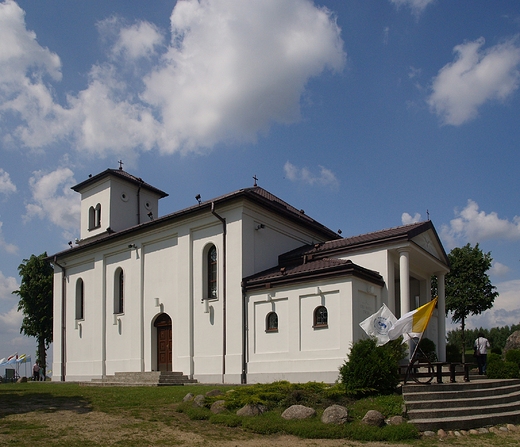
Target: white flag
pixel 379 324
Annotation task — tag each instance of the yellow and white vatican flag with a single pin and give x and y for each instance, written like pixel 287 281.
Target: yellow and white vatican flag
pixel 378 325
pixel 413 323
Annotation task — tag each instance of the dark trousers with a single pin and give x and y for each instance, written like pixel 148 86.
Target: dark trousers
pixel 481 362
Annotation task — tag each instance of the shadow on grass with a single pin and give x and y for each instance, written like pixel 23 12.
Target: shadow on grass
pixel 16 399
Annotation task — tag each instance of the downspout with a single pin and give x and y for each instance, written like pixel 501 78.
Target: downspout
pixel 63 324
pixel 139 203
pixel 224 341
pixel 243 377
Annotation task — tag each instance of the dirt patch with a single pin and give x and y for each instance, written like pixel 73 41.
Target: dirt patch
pixel 71 421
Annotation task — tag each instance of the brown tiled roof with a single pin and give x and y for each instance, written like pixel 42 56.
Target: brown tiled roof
pixel 308 271
pixel 345 245
pixel 123 175
pixel 255 194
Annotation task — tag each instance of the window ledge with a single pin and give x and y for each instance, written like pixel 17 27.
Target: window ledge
pixel 320 326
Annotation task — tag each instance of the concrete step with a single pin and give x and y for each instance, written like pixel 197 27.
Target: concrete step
pixel 462 406
pixel 149 378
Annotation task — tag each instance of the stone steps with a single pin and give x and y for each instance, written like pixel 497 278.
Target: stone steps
pixel 463 405
pixel 150 378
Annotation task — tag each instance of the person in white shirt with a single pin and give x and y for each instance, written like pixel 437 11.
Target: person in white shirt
pixel 481 346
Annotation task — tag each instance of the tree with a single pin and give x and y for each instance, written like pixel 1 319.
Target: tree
pixel 468 288
pixel 36 303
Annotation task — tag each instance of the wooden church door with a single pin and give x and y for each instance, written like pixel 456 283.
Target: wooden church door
pixel 164 342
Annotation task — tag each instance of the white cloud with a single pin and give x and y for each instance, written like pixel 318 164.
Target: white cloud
pixel 499 269
pixel 25 67
pixel 505 310
pixel 7 286
pixel 471 225
pixel 325 177
pixel 474 78
pixel 407 219
pixel 417 6
pixel 6 185
pixel 232 69
pixel 6 246
pixel 53 199
pixel 138 41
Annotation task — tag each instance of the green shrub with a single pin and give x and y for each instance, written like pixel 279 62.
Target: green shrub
pixel 372 369
pixel 498 369
pixel 427 347
pixel 513 355
pixel 453 354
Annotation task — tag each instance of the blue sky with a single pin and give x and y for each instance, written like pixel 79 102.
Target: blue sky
pixel 365 113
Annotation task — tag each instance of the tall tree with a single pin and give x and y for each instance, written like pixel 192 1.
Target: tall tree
pixel 36 302
pixel 468 288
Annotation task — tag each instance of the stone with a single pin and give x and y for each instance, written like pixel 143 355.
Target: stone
pixel 218 406
pixel 429 433
pixel 188 397
pixel 251 410
pixel 298 412
pixel 457 433
pixel 512 342
pixel 22 380
pixel 473 432
pixel 373 417
pixel 441 433
pixel 335 414
pixel 483 430
pixel 198 401
pixel 214 393
pixel 505 429
pixel 395 420
pixel 511 427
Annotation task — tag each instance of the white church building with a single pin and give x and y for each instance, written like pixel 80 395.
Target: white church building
pixel 243 288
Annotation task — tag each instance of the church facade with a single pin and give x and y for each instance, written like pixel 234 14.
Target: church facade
pixel 243 288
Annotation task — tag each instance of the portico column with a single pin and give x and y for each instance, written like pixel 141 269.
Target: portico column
pixel 441 318
pixel 404 280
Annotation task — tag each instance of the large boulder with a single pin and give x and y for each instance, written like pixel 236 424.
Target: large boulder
pixel 188 397
pixel 251 410
pixel 373 417
pixel 512 342
pixel 299 412
pixel 218 406
pixel 199 401
pixel 213 393
pixel 335 414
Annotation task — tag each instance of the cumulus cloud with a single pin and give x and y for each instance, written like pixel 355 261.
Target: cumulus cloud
pixel 6 185
pixel 231 69
pixel 472 225
pixel 25 68
pixel 417 6
pixel 499 269
pixel 136 41
pixel 407 219
pixel 325 177
pixel 53 199
pixel 475 77
pixel 8 284
pixel 6 246
pixel 505 310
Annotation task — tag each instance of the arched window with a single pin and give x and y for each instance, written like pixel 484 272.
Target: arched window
pixel 80 299
pixel 91 218
pixel 98 215
pixel 321 317
pixel 212 273
pixel 119 291
pixel 94 217
pixel 271 322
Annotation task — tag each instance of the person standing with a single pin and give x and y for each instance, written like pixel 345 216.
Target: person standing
pixel 36 372
pixel 481 346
